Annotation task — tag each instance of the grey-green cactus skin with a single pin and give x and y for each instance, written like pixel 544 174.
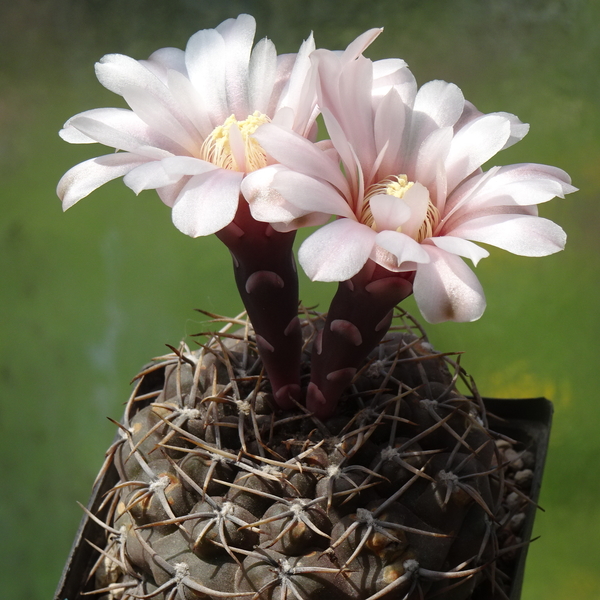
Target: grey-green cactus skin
pixel 406 492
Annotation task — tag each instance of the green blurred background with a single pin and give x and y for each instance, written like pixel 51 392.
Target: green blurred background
pixel 87 297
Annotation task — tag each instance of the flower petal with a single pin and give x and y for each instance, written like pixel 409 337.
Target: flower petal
pixel 87 176
pixel 238 35
pixel 261 76
pixel 403 247
pixel 337 251
pixel 114 132
pixel 389 212
pixel 446 289
pixel 520 234
pixel 296 152
pixel 205 62
pixel 460 246
pixel 207 203
pixel 475 144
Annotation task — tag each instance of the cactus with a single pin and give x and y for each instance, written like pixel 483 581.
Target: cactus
pixel 404 492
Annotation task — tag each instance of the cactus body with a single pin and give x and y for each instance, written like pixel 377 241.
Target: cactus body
pixel 405 492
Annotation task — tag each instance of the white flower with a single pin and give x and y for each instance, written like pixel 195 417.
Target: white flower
pixel 411 195
pixel 188 134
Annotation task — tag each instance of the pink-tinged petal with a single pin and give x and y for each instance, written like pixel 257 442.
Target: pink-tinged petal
pixel 186 165
pixel 475 144
pixel 285 66
pixel 460 246
pixel 299 93
pixel 148 176
pixel 388 131
pixel 191 103
pixel 520 234
pixel 118 72
pixel 205 62
pixel 417 199
pixel 238 35
pixel 266 203
pixel 296 152
pixel 238 148
pixel 403 247
pixel 437 104
pixel 388 211
pixel 164 60
pixel 521 185
pixel 430 168
pixel 115 136
pixel 164 118
pixel 261 76
pixel 355 86
pixel 360 44
pixel 469 113
pixel 310 194
pixel 207 203
pixel 169 193
pixel 117 122
pixel 164 173
pixel 518 129
pixel 87 176
pixel 394 73
pixel 446 289
pixel 337 251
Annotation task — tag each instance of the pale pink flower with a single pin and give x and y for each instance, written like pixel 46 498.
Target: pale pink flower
pixel 411 195
pixel 188 133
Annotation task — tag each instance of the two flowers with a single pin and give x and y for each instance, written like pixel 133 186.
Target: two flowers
pixel 225 132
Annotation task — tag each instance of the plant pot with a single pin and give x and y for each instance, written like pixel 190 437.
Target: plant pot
pixel 527 421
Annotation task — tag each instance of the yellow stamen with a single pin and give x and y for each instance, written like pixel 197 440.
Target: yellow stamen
pixel 217 146
pixel 398 186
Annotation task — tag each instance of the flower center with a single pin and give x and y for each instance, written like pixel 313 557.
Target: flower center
pixel 398 186
pixel 231 145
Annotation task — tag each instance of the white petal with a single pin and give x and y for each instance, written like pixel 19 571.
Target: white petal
pixel 299 92
pixel 149 176
pixel 388 130
pixel 169 193
pixel 164 118
pixel 518 129
pixel 310 195
pixel 475 144
pixel 207 203
pixel 520 234
pixel 447 290
pixel 337 251
pixel 460 246
pixel 87 176
pixel 404 248
pixel 296 152
pixel 417 199
pixel 361 43
pixel 164 60
pixel 117 72
pixel 205 62
pixel 114 136
pixel 238 35
pixel 191 103
pixel 266 203
pixel 261 76
pixel 440 101
pixel 388 211
pixel 394 73
pixel 116 123
pixel 517 185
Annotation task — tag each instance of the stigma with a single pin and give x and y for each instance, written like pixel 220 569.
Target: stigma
pixel 231 145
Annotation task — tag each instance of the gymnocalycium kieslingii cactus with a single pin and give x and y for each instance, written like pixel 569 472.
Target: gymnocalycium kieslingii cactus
pixel 351 466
